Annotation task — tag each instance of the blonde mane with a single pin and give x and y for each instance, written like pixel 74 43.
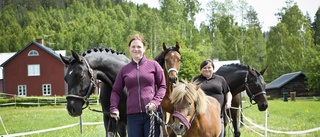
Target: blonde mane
pixel 191 93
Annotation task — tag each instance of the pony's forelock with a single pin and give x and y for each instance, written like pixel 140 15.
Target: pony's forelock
pixel 189 92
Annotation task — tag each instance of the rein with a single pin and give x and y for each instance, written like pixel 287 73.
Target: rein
pixel 253 96
pixel 90 89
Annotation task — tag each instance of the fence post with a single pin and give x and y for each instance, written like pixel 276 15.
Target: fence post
pixel 266 123
pixel 55 100
pixel 38 102
pixel 81 125
pixel 15 102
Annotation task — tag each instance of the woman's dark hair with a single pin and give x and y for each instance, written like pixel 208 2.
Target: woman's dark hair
pixel 206 62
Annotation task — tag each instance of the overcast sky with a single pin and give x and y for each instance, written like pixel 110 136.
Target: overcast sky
pixel 265 9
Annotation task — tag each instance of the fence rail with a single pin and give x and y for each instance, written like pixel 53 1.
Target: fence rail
pixel 38 101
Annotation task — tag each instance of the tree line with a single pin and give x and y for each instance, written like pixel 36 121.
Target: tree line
pixel 291 45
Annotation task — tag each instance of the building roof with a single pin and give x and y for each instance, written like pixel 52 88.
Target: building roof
pixel 6 57
pixel 218 64
pixel 284 79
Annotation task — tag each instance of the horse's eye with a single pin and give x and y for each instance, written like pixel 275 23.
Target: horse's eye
pixel 81 76
pixel 189 104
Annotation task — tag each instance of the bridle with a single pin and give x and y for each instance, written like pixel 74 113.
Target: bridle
pixel 165 63
pixel 253 96
pixel 90 89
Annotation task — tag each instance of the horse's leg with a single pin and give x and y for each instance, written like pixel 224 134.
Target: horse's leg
pixel 235 114
pixel 122 129
pixel 164 128
pixel 109 125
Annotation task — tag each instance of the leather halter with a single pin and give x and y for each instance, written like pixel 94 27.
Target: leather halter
pixel 253 96
pixel 183 119
pixel 90 89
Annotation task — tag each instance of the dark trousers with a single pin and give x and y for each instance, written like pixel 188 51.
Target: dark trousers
pixel 139 125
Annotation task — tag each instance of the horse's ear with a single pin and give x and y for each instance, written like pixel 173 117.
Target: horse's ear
pixel 250 70
pixel 65 60
pixel 177 45
pixel 164 46
pixel 75 55
pixel 197 87
pixel 263 71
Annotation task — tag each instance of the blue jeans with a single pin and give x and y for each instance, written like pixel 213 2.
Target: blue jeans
pixel 139 125
pixel 222 127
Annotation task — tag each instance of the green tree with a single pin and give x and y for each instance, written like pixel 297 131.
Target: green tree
pixel 190 64
pixel 316 28
pixel 289 43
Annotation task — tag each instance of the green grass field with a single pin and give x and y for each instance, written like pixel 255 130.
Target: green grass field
pixel 283 116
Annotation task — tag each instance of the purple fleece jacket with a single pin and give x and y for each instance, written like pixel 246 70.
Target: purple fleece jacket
pixel 145 83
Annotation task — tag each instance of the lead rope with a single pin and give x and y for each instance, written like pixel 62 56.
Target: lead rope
pixel 229 121
pixel 152 130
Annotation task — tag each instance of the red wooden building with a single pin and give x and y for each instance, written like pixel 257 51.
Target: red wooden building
pixel 35 70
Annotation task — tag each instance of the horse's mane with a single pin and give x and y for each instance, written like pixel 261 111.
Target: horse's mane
pixel 101 49
pixel 160 57
pixel 189 92
pixel 237 66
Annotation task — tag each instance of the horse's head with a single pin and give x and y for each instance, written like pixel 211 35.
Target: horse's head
pixel 172 60
pixel 79 78
pixel 188 101
pixel 256 88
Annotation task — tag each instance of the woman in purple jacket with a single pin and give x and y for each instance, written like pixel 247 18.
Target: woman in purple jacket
pixel 146 85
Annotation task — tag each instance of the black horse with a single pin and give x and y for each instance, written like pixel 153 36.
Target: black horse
pixel 83 70
pixel 239 78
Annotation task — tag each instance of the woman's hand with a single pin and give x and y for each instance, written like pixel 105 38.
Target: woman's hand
pixel 150 107
pixel 115 115
pixel 228 105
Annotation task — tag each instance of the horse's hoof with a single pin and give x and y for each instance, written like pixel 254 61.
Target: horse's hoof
pixel 110 134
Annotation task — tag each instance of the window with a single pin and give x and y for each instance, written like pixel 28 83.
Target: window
pixel 22 90
pixel 33 53
pixel 46 89
pixel 34 70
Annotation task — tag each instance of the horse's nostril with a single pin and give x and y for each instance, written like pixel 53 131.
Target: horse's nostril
pixel 181 126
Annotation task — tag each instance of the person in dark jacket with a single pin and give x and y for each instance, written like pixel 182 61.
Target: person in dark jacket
pixel 146 86
pixel 215 86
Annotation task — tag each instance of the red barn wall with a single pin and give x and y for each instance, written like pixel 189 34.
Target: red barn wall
pixel 51 72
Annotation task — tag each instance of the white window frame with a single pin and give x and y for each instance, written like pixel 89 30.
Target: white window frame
pixel 22 90
pixel 33 53
pixel 46 89
pixel 34 70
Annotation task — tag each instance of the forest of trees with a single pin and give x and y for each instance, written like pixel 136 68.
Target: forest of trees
pixel 290 46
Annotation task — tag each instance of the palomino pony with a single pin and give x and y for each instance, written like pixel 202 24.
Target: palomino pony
pixel 239 78
pixel 195 113
pixel 169 58
pixel 83 70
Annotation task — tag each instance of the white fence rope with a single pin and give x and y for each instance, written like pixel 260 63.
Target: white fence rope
pixel 4 127
pixel 280 132
pixel 50 129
